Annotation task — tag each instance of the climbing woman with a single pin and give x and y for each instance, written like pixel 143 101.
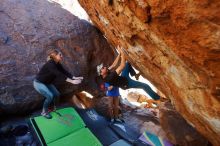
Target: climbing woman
pixel 111 76
pixel 51 70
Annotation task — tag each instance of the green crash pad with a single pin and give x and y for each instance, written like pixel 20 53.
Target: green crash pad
pixel 65 123
pixel 82 137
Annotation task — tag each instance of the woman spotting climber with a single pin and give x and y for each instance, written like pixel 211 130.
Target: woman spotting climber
pixel 50 71
pixel 124 81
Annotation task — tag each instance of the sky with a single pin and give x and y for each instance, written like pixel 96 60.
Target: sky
pixel 73 7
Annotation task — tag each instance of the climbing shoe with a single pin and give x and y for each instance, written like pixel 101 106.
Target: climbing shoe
pixel 137 76
pixel 163 99
pixel 46 115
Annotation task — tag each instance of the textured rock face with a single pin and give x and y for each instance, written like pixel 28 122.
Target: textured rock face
pixel 175 44
pixel 26 29
pixel 177 129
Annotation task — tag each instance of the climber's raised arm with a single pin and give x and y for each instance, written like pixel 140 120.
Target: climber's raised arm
pixel 120 77
pixel 114 64
pixel 123 61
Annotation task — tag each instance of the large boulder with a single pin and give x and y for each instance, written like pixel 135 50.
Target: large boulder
pixel 27 28
pixel 175 44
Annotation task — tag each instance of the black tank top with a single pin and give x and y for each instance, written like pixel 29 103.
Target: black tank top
pixel 115 80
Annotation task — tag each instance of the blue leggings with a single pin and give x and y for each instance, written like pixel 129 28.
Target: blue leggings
pixel 48 91
pixel 135 84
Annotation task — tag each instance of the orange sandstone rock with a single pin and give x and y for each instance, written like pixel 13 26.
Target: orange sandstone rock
pixel 175 44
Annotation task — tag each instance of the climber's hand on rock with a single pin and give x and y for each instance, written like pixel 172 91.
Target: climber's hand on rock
pixel 119 53
pixel 120 50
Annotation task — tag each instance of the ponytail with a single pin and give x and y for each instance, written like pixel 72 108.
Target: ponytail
pixel 48 58
pixel 51 52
